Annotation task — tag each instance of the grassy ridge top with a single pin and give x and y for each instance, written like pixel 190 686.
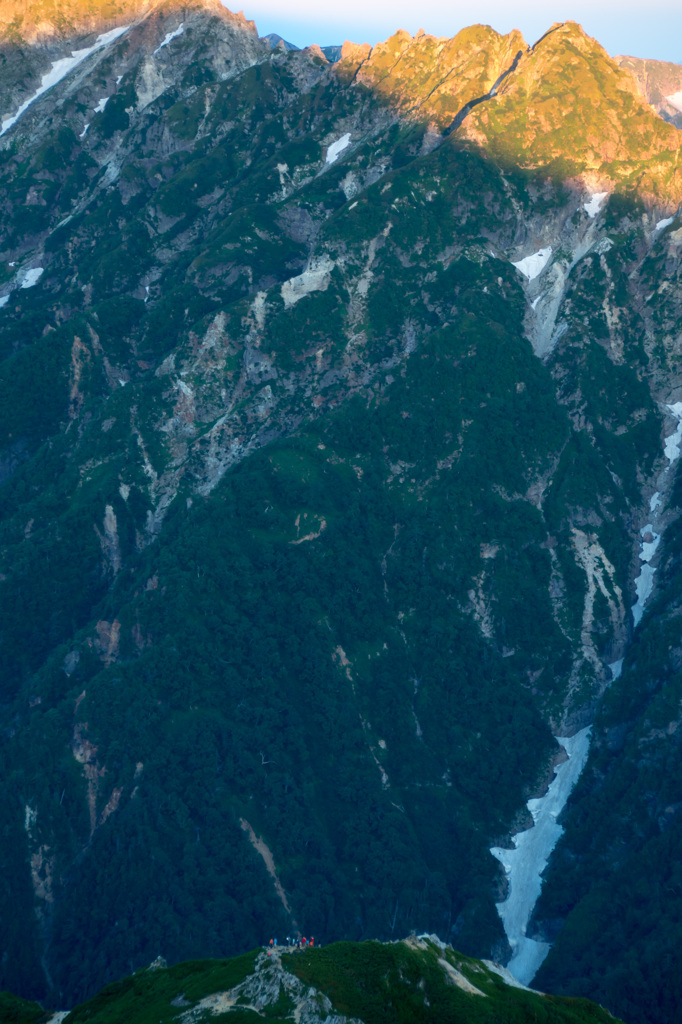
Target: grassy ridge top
pixel 416 981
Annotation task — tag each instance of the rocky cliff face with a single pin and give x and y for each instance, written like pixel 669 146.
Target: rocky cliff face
pixel 660 82
pixel 338 438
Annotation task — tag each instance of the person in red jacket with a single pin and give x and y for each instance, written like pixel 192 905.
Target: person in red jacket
pixel 312 941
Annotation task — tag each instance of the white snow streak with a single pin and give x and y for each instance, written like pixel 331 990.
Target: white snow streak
pixel 29 278
pixel 99 109
pixel 59 70
pixel 84 132
pixel 644 584
pixel 593 205
pixel 4 300
pixel 616 669
pixel 676 100
pixel 171 35
pixel 533 265
pixel 664 223
pixel 525 863
pixel 672 443
pixel 336 148
pixel 649 546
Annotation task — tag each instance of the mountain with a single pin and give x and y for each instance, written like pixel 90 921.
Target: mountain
pixel 273 40
pixel 339 449
pixel 332 53
pixel 350 983
pixel 660 82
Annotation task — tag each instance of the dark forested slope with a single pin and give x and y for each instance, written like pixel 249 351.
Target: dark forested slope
pixel 321 511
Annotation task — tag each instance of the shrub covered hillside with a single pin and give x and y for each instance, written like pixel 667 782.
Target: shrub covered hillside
pixel 420 981
pixel 339 437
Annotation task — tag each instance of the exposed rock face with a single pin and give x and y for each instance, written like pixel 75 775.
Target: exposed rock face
pixel 660 82
pixel 333 405
pixel 434 77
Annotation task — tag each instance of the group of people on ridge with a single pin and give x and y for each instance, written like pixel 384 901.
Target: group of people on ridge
pixel 292 942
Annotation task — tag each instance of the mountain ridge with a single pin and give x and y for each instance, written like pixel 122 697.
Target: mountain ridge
pixel 339 478
pixel 421 976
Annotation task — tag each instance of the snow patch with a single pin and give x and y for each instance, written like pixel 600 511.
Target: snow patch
pixel 171 35
pixel 616 669
pixel 649 546
pixel 336 148
pixel 29 278
pixel 85 131
pixel 525 864
pixel 99 109
pixel 534 303
pixel 60 69
pixel 676 100
pixel 593 204
pixel 533 265
pixel 672 443
pixel 314 279
pixel 644 584
pixel 664 223
pixel 4 300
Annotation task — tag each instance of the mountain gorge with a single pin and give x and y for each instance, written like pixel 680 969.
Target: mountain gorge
pixel 340 436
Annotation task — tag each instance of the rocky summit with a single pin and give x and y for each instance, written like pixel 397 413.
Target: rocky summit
pixel 340 532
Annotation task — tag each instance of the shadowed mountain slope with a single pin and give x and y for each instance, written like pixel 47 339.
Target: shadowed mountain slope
pixel 421 980
pixel 329 444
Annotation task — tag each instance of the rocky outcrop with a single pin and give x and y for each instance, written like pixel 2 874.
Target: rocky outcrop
pixel 660 83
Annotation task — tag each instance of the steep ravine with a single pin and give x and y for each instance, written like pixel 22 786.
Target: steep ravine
pixel 525 864
pixel 458 120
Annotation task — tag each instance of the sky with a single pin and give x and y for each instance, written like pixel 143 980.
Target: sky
pixel 639 29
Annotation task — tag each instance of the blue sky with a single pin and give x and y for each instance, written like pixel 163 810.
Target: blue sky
pixel 640 29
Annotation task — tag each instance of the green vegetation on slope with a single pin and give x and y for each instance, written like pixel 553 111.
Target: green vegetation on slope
pixel 412 982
